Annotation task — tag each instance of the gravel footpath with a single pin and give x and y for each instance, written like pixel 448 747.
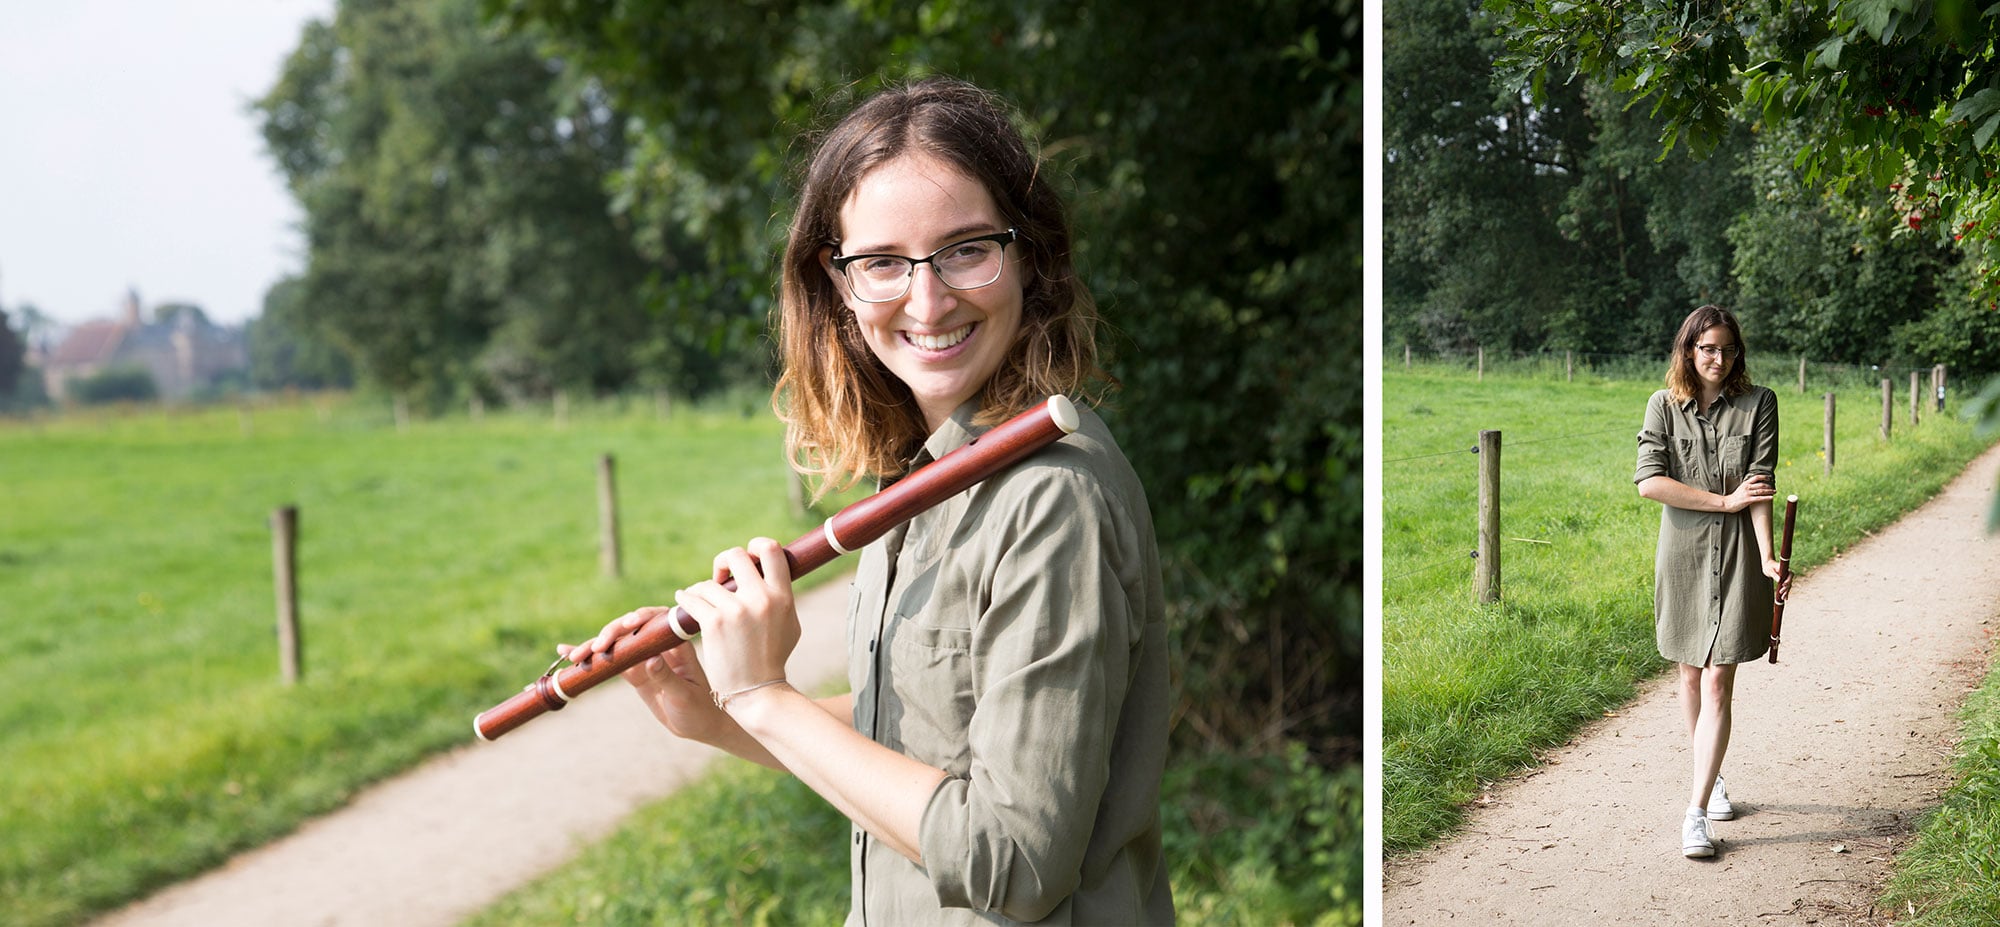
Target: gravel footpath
pixel 447 839
pixel 1836 752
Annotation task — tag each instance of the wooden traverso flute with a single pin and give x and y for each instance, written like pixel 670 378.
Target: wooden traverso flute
pixel 1784 573
pixel 847 531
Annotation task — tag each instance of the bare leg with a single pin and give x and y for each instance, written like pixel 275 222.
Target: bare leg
pixel 1690 693
pixel 1711 730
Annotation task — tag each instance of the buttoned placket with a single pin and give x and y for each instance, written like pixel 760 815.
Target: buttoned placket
pixel 1711 480
pixel 871 722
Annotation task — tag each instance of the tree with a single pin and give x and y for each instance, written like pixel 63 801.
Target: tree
pixel 289 347
pixel 13 357
pixel 1483 180
pixel 1891 101
pixel 458 232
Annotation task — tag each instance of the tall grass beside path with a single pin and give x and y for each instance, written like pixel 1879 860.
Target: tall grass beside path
pixel 1471 692
pixel 145 732
pixel 1950 876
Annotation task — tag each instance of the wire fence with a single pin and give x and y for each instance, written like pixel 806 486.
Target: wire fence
pixel 1777 371
pixel 1584 456
pixel 1582 460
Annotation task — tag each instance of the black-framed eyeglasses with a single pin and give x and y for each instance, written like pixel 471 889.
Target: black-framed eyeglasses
pixel 1728 351
pixel 961 265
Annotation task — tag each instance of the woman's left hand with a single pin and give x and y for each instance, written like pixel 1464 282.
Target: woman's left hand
pixel 747 635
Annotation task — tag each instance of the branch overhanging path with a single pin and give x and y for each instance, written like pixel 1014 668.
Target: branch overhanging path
pixel 1836 752
pixel 447 839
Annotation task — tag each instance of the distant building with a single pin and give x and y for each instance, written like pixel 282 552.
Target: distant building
pixel 184 352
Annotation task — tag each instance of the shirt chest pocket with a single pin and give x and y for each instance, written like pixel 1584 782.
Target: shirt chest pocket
pixel 1687 463
pixel 934 690
pixel 1735 460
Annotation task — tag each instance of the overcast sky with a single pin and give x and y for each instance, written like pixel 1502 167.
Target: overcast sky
pixel 127 158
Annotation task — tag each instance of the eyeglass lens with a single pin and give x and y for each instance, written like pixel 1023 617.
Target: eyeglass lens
pixel 964 266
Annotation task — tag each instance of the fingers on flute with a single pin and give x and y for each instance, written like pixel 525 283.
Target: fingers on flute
pixel 771 561
pixel 613 630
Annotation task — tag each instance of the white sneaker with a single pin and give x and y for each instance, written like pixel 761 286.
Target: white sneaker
pixel 1719 808
pixel 1695 841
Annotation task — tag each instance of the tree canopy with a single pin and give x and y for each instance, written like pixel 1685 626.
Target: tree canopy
pixel 1893 102
pixel 1832 198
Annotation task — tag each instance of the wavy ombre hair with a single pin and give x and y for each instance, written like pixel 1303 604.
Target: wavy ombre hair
pixel 1682 381
pixel 847 416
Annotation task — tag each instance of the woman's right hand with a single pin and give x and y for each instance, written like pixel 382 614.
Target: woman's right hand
pixel 672 684
pixel 1754 488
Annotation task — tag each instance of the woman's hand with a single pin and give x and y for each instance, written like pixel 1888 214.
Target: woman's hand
pixel 747 635
pixel 1774 569
pixel 671 684
pixel 1755 488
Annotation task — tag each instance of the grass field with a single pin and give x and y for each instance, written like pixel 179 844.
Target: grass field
pixel 1470 692
pixel 748 846
pixel 144 730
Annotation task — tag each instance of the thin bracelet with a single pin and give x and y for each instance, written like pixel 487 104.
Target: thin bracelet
pixel 722 699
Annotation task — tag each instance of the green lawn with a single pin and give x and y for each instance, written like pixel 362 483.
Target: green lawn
pixel 146 736
pixel 1249 840
pixel 1470 692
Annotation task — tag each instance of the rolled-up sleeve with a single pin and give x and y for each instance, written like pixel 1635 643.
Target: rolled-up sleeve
pixel 1764 441
pixel 1653 440
pixel 1053 657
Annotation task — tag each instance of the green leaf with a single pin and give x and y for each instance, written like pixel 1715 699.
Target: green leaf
pixel 1972 108
pixel 1985 133
pixel 1827 55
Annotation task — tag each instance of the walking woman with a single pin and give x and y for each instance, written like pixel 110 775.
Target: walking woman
pixel 1001 750
pixel 1707 454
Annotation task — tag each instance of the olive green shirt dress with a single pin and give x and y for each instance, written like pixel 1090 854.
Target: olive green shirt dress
pixel 1015 637
pixel 1711 599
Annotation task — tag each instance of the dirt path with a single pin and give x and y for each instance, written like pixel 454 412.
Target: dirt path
pixel 443 841
pixel 1835 752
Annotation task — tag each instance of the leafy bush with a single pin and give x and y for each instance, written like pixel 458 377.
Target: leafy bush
pixel 115 384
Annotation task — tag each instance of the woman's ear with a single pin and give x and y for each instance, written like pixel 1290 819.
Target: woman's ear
pixel 839 279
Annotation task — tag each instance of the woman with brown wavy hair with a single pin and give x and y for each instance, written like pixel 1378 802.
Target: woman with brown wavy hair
pixel 1707 454
pixel 1001 749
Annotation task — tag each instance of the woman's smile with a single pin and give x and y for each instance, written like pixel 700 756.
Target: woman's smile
pixel 942 343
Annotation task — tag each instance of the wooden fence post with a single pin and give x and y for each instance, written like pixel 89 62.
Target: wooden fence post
pixel 1569 366
pixel 1802 374
pixel 1915 398
pixel 1486 573
pixel 284 572
pixel 1829 434
pixel 1888 406
pixel 607 518
pixel 1482 364
pixel 1406 357
pixel 1941 375
pixel 402 412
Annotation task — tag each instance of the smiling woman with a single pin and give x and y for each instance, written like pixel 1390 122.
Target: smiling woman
pixel 1001 752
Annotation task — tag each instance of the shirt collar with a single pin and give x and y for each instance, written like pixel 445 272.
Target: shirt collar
pixel 956 432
